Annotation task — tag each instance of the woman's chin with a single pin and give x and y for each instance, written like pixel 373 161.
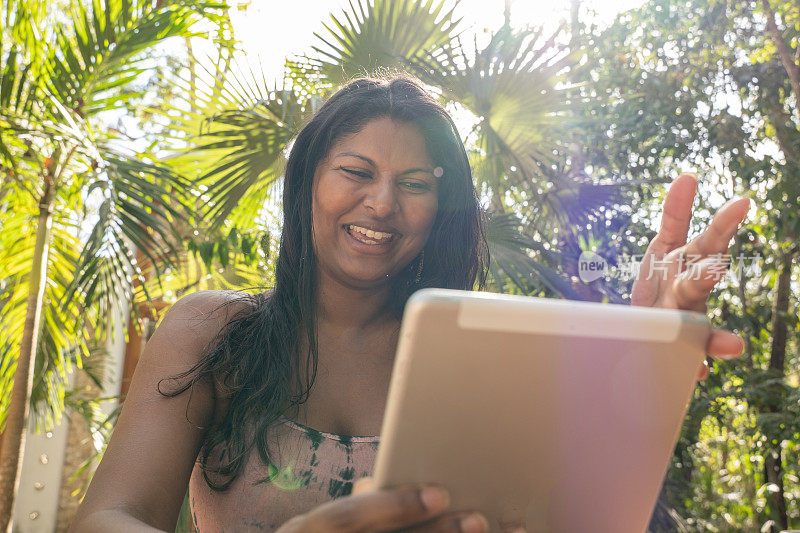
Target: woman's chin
pixel 367 280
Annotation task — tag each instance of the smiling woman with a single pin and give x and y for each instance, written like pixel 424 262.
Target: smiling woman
pixel 268 406
pixel 375 200
pixel 255 401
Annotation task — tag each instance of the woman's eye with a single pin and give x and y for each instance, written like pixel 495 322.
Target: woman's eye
pixel 416 185
pixel 357 173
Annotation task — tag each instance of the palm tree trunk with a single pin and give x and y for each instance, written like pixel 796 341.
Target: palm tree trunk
pixel 773 456
pixel 17 419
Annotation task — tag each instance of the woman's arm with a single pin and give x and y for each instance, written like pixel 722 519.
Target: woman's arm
pixel 142 479
pixel 140 483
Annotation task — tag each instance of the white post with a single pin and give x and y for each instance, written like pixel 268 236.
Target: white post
pixel 36 507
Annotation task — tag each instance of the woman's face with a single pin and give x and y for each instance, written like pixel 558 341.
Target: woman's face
pixel 374 201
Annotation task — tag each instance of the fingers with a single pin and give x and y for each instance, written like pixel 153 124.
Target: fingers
pixel 463 522
pixel 677 215
pixel 703 372
pixel 373 510
pixel 717 236
pixel 693 286
pixel 364 484
pixel 677 212
pixel 454 523
pixel 724 344
pixel 691 291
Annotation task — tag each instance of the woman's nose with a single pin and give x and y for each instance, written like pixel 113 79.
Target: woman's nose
pixel 381 197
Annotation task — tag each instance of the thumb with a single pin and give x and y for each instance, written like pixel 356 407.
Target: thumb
pixel 364 484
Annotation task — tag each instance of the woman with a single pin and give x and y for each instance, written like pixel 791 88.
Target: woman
pixel 378 202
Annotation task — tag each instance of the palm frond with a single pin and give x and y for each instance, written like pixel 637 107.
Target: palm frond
pixel 514 255
pixel 140 211
pixel 249 145
pixel 99 50
pixel 8 364
pixel 515 86
pixel 376 34
pixel 574 204
pixel 208 266
pixel 65 337
pixel 17 238
pixel 24 24
pixel 17 86
pixel 240 152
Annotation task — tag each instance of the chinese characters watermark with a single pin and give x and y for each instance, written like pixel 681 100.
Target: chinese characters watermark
pixel 592 266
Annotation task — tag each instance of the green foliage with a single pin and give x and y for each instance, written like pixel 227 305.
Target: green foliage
pixel 698 85
pixel 379 34
pixel 573 138
pixel 63 73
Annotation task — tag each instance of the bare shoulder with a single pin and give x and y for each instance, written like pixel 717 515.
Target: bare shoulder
pixel 197 312
pixel 163 433
pixel 188 331
pixel 194 320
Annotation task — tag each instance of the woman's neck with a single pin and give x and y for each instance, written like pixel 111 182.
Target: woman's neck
pixel 352 309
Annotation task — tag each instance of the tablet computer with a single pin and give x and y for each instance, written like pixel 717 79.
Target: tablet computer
pixel 556 415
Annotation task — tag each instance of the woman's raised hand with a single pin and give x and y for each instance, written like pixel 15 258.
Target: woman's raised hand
pixel 412 508
pixel 675 274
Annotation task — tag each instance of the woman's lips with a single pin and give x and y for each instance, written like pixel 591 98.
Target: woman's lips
pixel 364 244
pixel 371 235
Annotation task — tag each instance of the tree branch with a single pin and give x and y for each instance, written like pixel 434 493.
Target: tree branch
pixel 779 118
pixel 785 53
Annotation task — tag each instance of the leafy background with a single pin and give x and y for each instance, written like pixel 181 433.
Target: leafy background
pixel 162 168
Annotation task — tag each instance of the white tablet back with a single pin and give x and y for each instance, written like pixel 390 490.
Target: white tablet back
pixel 558 415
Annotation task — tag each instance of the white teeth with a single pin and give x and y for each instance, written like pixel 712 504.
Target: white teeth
pixel 375 237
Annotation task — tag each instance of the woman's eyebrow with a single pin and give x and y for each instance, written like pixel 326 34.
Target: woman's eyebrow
pixel 412 170
pixel 371 162
pixel 359 156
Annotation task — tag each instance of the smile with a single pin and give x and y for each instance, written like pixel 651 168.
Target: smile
pixel 368 236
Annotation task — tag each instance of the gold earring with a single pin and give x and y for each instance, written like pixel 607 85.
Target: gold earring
pixel 419 268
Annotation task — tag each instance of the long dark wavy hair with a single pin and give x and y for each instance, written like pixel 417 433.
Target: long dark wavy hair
pixel 256 355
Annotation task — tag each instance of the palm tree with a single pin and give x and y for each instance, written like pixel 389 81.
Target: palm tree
pixel 62 74
pixel 515 88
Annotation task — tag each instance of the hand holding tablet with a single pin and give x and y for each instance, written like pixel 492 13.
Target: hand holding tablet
pixel 559 416
pixel 554 415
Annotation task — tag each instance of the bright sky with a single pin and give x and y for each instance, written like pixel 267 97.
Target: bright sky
pixel 269 30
